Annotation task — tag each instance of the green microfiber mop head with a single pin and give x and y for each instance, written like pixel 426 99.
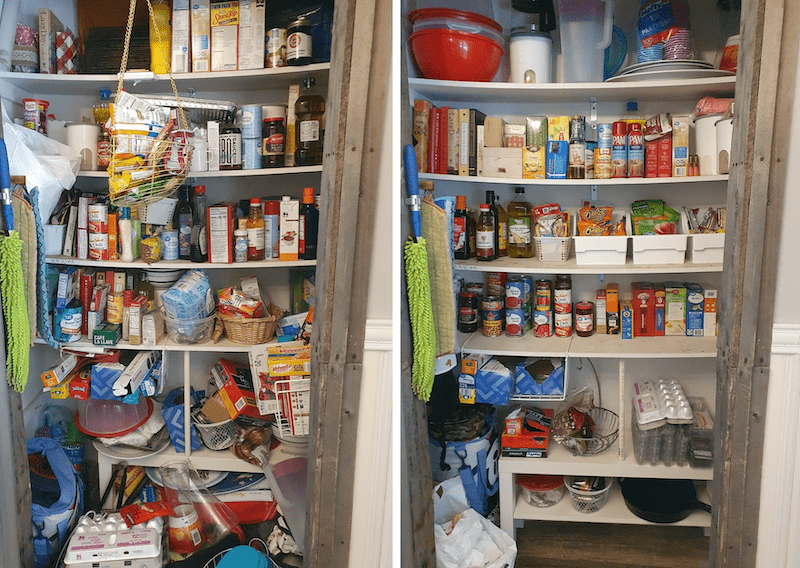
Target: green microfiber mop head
pixel 421 314
pixel 15 312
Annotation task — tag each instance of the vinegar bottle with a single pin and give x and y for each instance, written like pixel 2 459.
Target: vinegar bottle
pixel 198 251
pixel 495 223
pixel 461 229
pixel 255 231
pixel 309 110
pixel 502 228
pixel 484 234
pixel 520 244
pixel 309 226
pixel 182 222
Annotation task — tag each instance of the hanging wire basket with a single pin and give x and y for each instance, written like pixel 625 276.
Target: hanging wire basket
pixel 151 144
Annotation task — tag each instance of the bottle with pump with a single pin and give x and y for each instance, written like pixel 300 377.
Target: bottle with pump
pixel 255 231
pixel 309 226
pixel 199 236
pixel 182 222
pixel 484 233
pixel 461 229
pixel 309 113
pixel 520 243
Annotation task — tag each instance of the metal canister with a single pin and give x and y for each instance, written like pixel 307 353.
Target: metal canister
pixel 251 153
pixel 605 135
pixel 98 246
pixel 543 323
pixel 528 323
pixel 562 296
pixel 276 48
pixel 98 218
pixel 250 120
pixel 492 316
pixel 527 297
pixel 515 322
pixel 496 283
pixel 515 292
pixel 476 288
pixel 170 240
pixel 602 163
pixel 544 295
pixel 619 150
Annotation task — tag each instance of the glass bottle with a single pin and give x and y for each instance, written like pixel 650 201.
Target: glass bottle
pixel 495 222
pixel 309 113
pixel 502 228
pixel 520 243
pixel 144 288
pixel 484 233
pixel 182 222
pixel 100 111
pixel 199 236
pixel 255 231
pixel 473 238
pixel 309 226
pixel 577 148
pixel 298 42
pixel 461 229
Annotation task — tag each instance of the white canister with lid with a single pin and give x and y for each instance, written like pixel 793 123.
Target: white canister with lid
pixel 724 128
pixel 83 139
pixel 705 136
pixel 530 50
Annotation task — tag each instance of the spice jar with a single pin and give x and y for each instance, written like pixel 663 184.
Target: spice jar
pixel 584 319
pixel 273 143
pixel 240 245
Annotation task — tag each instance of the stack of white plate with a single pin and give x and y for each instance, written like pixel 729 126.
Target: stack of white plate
pixel 163 278
pixel 672 70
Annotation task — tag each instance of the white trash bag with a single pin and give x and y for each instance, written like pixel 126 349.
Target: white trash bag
pixel 464 538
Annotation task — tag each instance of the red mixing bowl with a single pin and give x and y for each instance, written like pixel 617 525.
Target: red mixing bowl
pixel 453 55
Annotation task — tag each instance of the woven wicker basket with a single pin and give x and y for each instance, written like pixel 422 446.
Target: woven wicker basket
pixel 252 331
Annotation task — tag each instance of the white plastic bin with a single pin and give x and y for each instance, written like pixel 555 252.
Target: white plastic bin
pixel 659 249
pixel 704 248
pixel 602 249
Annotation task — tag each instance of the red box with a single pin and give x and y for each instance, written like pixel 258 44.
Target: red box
pixel 651 158
pixel 81 385
pixel 221 223
pixel 665 156
pixel 660 305
pixel 532 441
pixel 644 316
pixel 235 388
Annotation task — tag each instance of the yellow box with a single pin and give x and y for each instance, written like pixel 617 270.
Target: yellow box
pixel 534 163
pixel 558 128
pixel 60 391
pixel 55 375
pixel 288 366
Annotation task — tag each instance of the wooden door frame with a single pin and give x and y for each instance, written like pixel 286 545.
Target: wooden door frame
pixel 354 124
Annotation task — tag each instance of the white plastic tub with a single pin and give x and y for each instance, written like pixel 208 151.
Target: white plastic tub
pixel 659 249
pixel 602 249
pixel 704 248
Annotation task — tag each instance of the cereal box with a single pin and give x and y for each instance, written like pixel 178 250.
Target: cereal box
pixel 675 308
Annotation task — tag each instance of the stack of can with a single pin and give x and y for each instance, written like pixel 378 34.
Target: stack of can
pixel 250 121
pixel 562 302
pixel 493 305
pixel 515 306
pixel 543 309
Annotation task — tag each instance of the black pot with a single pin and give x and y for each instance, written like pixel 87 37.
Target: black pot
pixel 661 500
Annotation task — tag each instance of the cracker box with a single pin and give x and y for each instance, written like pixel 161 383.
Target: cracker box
pixel 626 319
pixel 201 36
pixel 532 440
pixel 680 145
pixel 251 34
pixel 224 36
pixel 493 383
pixel 674 308
pixel 659 306
pixel 181 23
pixel 221 223
pixel 710 313
pixel 695 314
pixel 644 309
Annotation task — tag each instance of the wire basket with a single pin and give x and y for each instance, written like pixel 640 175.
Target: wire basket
pixel 606 431
pixel 552 249
pixel 216 436
pixel 252 331
pixel 588 501
pixel 294 406
pixel 199 111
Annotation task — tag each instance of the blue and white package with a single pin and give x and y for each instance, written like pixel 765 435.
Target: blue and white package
pixel 103 377
pixel 190 298
pixel 525 383
pixel 493 383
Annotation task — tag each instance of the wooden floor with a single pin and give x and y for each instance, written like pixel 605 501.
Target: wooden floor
pixel 575 545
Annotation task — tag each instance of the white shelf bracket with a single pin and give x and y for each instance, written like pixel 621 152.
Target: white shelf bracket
pixel 593 190
pixel 593 115
pixel 601 278
pixel 622 409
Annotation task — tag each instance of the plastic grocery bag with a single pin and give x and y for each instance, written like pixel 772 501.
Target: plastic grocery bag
pixel 45 163
pixel 465 539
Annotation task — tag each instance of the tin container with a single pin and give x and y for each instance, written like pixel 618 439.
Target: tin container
pixel 544 295
pixel 98 246
pixel 98 218
pixel 476 288
pixel 602 163
pixel 496 283
pixel 605 135
pixel 170 239
pixel 635 151
pixel 543 323
pixel 619 150
pixel 492 316
pixel 563 324
pixel 527 280
pixel 34 115
pixel 251 153
pixel 515 322
pixel 276 48
pixel 515 292
pixel 250 121
pixel 562 295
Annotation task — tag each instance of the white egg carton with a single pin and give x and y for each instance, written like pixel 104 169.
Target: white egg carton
pixel 106 540
pixel 663 402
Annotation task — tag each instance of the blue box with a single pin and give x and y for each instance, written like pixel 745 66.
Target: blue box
pixel 695 308
pixel 626 320
pixel 493 383
pixel 172 411
pixel 103 377
pixel 557 159
pixel 525 384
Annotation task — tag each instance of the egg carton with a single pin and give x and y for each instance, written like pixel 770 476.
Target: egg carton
pixel 656 404
pixel 105 539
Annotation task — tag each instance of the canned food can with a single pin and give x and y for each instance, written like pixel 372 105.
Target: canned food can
pixel 492 328
pixel 475 287
pixel 250 121
pixel 170 239
pixel 602 163
pixel 276 48
pixel 515 292
pixel 492 305
pixel 543 323
pixel 515 322
pixel 251 155
pixel 114 308
pixel 604 135
pixel 527 290
pixel 590 148
pixel 98 218
pixel 528 310
pixel 563 323
pixel 98 246
pixel 544 295
pixel 34 115
pixel 496 283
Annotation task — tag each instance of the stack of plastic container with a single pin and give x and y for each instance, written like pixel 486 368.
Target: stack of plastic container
pixel 662 417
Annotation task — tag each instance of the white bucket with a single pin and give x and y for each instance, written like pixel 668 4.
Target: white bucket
pixel 706 143
pixel 530 50
pixel 724 137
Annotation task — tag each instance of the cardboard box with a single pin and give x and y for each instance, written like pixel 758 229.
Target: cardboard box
pixel 93 321
pixel 59 372
pixel 710 313
pixel 201 37
pixel 528 377
pixel 80 385
pixel 136 309
pixel 665 156
pixel 493 383
pixel 471 363
pixel 514 136
pixel 181 32
pixel 103 377
pixel 502 162
pixel 600 312
pixel 558 128
pixel 221 224
pixel 251 34
pixel 612 308
pixel 212 127
pixel 290 229
pixel 466 388
pixel 60 392
pixel 235 383
pixel 532 440
pixel 152 328
pixel 65 291
pixel 294 93
pixel 675 308
pixel 626 319
pixel 224 36
pixel 680 146
pixel 557 160
pixel 651 158
pixel 534 157
pixel 695 312
pixel 659 306
pixel 534 163
pixel 644 309
pixel 135 372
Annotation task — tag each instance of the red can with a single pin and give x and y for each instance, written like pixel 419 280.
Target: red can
pixel 496 283
pixel 544 295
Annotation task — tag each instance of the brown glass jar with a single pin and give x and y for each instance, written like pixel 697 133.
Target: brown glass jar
pixel 467 312
pixel 273 139
pixel 584 319
pixel 230 147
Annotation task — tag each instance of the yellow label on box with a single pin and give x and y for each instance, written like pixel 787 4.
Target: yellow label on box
pixel 534 163
pixel 61 391
pixel 288 366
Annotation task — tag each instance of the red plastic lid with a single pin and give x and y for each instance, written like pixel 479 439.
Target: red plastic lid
pixel 540 482
pixel 272 208
pixel 426 13
pixel 199 189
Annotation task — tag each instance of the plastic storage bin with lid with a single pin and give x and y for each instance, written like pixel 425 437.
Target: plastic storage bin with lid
pixel 586 28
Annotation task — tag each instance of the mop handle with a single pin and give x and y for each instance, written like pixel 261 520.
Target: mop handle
pixel 5 187
pixel 412 186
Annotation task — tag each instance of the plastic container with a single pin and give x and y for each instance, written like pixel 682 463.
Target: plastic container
pixel 703 247
pixel 541 490
pixel 216 436
pixel 189 331
pixel 602 249
pixel 458 20
pixel 530 50
pixel 552 249
pixel 110 418
pixel 658 249
pixel 705 138
pixel 586 28
pixel 724 139
pixel 588 501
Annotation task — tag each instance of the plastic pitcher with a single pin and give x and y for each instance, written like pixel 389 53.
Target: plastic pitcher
pixel 586 31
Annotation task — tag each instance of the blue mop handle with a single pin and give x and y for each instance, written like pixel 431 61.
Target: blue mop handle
pixel 5 187
pixel 412 186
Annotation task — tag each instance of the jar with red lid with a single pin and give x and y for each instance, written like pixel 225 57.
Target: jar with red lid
pixel 541 490
pixel 273 137
pixel 584 319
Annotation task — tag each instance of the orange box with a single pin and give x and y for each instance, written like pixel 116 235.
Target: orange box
pixel 612 308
